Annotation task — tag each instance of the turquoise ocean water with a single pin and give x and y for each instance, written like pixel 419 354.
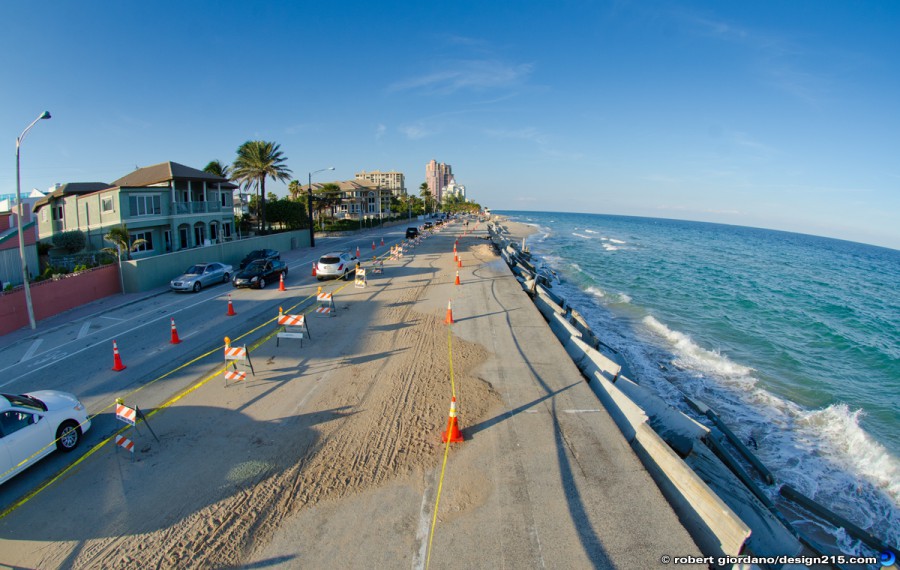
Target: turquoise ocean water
pixel 793 339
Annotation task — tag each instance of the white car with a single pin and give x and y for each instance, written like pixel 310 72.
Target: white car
pixel 33 425
pixel 337 264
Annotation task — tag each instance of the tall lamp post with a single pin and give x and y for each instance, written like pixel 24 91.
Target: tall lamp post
pixel 44 115
pixel 312 237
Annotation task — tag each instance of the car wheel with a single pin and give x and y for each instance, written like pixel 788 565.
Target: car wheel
pixel 197 287
pixel 67 436
pixel 262 283
pixel 225 278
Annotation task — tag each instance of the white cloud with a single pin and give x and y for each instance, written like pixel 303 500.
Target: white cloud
pixel 470 75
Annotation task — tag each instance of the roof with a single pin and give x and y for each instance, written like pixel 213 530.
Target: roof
pixel 166 171
pixel 69 189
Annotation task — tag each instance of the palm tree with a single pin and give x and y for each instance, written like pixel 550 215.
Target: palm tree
pixel 425 193
pixel 216 168
pixel 118 235
pixel 256 161
pixel 327 196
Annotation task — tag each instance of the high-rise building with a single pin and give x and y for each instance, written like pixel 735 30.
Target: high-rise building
pixel 393 181
pixel 438 175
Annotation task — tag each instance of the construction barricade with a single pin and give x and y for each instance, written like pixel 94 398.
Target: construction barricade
pixel 378 267
pixel 233 356
pixel 325 304
pixel 360 281
pixel 293 326
pixel 130 415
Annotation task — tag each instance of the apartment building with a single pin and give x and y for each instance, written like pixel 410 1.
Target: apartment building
pixel 393 181
pixel 438 176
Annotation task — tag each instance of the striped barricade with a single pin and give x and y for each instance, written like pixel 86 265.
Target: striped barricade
pixel 125 443
pixel 293 326
pixel 233 356
pixel 326 304
pixel 126 414
pixel 360 279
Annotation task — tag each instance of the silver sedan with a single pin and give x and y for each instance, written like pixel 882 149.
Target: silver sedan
pixel 201 275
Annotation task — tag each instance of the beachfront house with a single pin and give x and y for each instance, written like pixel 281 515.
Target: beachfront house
pixel 168 205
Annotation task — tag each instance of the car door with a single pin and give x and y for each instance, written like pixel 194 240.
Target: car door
pixel 211 274
pixel 26 437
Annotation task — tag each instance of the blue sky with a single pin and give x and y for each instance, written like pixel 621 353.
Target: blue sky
pixel 770 114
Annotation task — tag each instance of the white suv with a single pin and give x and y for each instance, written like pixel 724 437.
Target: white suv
pixel 336 264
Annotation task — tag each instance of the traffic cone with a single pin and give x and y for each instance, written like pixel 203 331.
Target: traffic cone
pixel 175 339
pixel 453 435
pixel 281 282
pixel 117 360
pixel 457 278
pixel 357 251
pixel 382 242
pixel 314 269
pixel 449 319
pixel 373 245
pixel 455 257
pixel 459 262
pixel 230 312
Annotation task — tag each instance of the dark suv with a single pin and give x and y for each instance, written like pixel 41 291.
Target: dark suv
pixel 412 233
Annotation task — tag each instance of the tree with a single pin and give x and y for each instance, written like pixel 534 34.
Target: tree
pixel 70 242
pixel 327 197
pixel 256 161
pixel 119 236
pixel 425 193
pixel 216 168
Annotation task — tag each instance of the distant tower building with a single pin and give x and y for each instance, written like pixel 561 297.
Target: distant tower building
pixel 438 175
pixel 454 189
pixel 393 181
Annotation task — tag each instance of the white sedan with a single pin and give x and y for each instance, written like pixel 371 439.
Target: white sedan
pixel 33 425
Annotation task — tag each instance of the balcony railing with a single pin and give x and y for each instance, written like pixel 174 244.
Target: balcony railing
pixel 199 207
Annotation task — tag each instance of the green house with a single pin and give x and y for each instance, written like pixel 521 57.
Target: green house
pixel 170 206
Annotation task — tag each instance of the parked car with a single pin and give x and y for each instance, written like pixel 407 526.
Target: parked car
pixel 202 275
pixel 260 272
pixel 337 264
pixel 269 254
pixel 33 425
pixel 427 226
pixel 412 233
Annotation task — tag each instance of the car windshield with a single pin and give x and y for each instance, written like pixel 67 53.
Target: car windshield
pixel 195 270
pixel 258 264
pixel 25 401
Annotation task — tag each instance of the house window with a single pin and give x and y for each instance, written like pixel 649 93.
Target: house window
pixel 43 214
pixel 144 204
pixel 58 212
pixel 225 200
pixel 147 237
pixel 106 204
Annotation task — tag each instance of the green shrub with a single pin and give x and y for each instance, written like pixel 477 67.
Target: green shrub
pixel 70 242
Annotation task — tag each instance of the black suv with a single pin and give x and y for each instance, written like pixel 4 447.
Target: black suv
pixel 267 254
pixel 412 233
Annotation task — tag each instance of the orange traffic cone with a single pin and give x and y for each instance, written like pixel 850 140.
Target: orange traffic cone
pixel 455 257
pixel 175 339
pixel 453 435
pixel 281 282
pixel 357 251
pixel 117 360
pixel 459 262
pixel 382 242
pixel 230 312
pixel 457 278
pixel 373 245
pixel 314 269
pixel 449 319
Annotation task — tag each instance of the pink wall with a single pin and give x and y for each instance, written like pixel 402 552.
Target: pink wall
pixel 52 297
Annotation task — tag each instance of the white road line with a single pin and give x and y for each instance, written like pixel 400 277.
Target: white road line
pixel 85 328
pixel 110 318
pixel 580 411
pixel 31 350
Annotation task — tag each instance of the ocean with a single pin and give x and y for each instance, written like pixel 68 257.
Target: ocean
pixel 794 340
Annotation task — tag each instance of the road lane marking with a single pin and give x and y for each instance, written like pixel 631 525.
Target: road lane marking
pixel 110 318
pixel 580 411
pixel 31 350
pixel 85 328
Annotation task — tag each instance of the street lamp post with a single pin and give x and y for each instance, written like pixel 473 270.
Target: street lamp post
pixel 312 237
pixel 44 115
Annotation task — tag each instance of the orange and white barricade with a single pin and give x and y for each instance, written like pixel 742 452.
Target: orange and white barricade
pixel 233 356
pixel 378 267
pixel 293 326
pixel 125 443
pixel 126 414
pixel 326 304
pixel 359 280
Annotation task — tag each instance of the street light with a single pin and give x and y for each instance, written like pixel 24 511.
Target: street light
pixel 44 115
pixel 312 237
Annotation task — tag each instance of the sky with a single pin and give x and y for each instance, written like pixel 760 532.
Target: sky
pixel 772 114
